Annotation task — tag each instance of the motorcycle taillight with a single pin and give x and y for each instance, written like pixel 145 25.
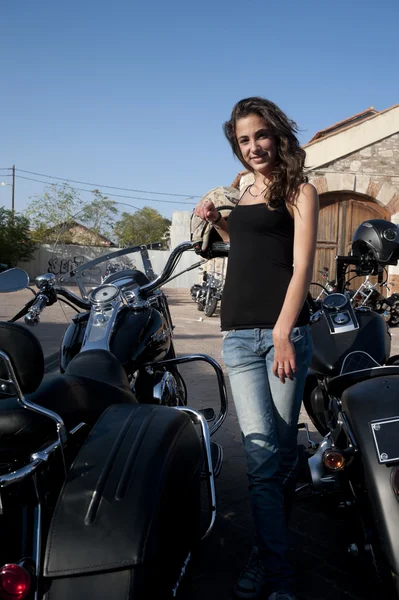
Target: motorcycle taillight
pixel 395 481
pixel 14 582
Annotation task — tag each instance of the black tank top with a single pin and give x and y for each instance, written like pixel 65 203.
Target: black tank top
pixel 260 267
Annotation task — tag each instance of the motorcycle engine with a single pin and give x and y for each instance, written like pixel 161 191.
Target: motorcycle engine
pixel 158 387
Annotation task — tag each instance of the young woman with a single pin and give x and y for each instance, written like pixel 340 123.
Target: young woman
pixel 267 342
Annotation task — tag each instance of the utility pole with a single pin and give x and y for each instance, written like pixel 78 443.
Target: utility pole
pixel 13 188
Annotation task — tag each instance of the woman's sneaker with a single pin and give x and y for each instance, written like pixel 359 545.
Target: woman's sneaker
pixel 252 580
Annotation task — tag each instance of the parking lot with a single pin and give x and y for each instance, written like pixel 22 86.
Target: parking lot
pixel 318 539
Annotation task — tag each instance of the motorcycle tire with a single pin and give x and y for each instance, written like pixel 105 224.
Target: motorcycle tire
pixel 210 307
pixel 200 305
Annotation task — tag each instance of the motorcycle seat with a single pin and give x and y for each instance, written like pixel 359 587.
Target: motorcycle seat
pixel 94 381
pixel 337 385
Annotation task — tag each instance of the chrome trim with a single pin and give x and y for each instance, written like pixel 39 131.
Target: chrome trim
pixel 321 481
pixel 100 327
pixel 312 444
pixel 344 301
pixel 38 458
pixel 206 439
pixel 343 421
pixel 220 378
pixel 165 388
pixel 61 429
pixel 335 328
pixel 20 474
pixel 38 545
pixel 32 317
pixel 102 304
pixel 47 278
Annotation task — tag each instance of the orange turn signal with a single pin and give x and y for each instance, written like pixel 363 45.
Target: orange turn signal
pixel 333 460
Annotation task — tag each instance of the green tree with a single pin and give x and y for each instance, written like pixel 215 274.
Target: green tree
pixel 52 212
pixel 55 207
pixel 16 244
pixel 143 227
pixel 100 214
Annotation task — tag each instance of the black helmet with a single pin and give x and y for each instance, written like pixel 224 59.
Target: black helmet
pixel 378 239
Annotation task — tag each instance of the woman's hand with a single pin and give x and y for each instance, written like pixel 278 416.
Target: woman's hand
pixel 206 210
pixel 284 364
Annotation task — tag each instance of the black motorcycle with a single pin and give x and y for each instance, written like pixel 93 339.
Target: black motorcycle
pixel 101 464
pixel 208 294
pixel 115 267
pixel 197 291
pixel 352 398
pixel 369 294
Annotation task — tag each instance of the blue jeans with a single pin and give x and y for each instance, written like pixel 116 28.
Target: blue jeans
pixel 268 413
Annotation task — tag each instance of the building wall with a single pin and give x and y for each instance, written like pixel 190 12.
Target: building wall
pixel 381 160
pixel 64 258
pixel 372 171
pixel 347 141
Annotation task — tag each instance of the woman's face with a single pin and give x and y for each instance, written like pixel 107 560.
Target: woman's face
pixel 257 144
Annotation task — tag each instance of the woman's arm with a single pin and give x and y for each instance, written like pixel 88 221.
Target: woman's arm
pixel 221 228
pixel 306 212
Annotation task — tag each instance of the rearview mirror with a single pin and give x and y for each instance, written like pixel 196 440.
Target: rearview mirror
pixel 13 280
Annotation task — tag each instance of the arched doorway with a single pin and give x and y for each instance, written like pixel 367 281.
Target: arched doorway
pixel 340 214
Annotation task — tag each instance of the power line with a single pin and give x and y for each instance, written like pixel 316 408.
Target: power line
pixel 112 187
pixel 113 195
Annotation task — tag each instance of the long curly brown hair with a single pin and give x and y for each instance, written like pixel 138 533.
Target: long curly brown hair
pixel 288 172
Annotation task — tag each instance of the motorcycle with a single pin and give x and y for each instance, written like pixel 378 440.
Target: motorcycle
pixel 351 396
pixel 209 293
pixel 327 286
pixel 367 294
pixel 214 292
pixel 101 464
pixel 115 267
pixel 196 289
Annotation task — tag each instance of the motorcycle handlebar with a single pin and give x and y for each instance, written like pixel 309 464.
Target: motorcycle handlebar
pixel 80 302
pixel 168 269
pixel 32 317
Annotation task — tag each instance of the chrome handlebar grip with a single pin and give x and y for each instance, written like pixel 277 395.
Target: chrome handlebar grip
pixel 32 318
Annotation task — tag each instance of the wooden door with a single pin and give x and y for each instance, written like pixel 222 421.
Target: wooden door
pixel 340 215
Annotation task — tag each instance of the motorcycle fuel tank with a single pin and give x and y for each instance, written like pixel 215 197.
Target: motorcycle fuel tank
pixel 330 349
pixel 140 337
pixel 71 342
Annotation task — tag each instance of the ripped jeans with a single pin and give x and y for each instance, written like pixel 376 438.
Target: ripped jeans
pixel 268 413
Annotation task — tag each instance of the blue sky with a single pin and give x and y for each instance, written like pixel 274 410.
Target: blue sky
pixel 134 94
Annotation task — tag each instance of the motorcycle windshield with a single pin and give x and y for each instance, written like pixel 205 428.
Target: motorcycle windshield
pixel 115 265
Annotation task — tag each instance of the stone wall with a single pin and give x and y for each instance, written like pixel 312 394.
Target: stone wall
pixel 372 171
pixel 381 160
